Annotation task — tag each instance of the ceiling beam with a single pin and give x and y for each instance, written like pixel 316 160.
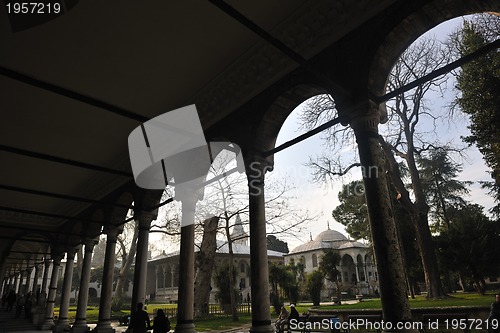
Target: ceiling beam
pixel 61 160
pixel 61 196
pixel 11 74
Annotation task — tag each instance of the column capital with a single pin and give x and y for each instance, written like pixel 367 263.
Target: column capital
pixel 366 115
pixel 112 231
pixel 144 218
pixel 257 165
pixel 89 243
pixel 57 257
pixel 71 251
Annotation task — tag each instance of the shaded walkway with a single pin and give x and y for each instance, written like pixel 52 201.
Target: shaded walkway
pixel 9 323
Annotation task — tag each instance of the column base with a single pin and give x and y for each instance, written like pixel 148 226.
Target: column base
pixel 104 327
pixel 38 315
pixel 263 329
pixel 48 324
pixel 185 328
pixel 61 326
pixel 80 326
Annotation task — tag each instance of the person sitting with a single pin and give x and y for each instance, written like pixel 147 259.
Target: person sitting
pixel 282 319
pixel 294 314
pixel 494 317
pixel 161 324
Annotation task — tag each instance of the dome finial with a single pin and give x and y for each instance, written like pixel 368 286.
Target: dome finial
pixel 310 235
pixel 328 224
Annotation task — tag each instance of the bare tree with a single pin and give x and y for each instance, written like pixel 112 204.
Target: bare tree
pixel 225 201
pixel 410 131
pixel 127 246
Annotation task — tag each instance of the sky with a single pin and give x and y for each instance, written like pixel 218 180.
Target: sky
pixel 322 198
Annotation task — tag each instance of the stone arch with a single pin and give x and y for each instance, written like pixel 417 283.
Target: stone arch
pixel 160 277
pixel 348 268
pixel 267 129
pixel 413 26
pixel 117 214
pixel 176 276
pixel 168 276
pixel 92 293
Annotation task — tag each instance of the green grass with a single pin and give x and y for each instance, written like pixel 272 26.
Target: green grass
pixel 224 323
pixel 457 299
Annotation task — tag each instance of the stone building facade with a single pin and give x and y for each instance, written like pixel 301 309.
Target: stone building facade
pixel 163 270
pixel 358 274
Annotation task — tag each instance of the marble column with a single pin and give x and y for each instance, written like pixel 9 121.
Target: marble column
pixel 43 291
pixel 34 285
pixel 62 323
pixel 185 307
pixel 16 282
pixel 259 277
pixel 141 258
pixel 395 306
pixel 48 323
pixel 23 282
pixel 80 324
pixel 104 322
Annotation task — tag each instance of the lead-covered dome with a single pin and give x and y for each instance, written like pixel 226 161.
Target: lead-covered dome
pixel 330 236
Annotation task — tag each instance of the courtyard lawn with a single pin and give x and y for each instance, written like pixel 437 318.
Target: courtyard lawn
pixel 222 323
pixel 457 299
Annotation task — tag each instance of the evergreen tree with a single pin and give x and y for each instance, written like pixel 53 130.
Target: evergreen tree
pixel 352 211
pixel 468 247
pixel 479 85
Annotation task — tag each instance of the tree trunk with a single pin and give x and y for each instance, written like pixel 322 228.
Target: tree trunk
pixel 234 310
pixel 205 264
pixel 127 260
pixel 78 272
pixel 418 214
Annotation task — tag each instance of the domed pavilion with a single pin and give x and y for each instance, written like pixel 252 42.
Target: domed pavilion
pixel 358 274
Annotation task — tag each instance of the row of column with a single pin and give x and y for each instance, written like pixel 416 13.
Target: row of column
pixel 392 284
pixel 395 304
pixel 15 281
pixel 104 322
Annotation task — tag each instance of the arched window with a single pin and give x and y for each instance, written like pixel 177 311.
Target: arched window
pixel 160 277
pixel 315 260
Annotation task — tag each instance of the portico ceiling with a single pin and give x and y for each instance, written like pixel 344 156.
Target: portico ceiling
pixel 142 57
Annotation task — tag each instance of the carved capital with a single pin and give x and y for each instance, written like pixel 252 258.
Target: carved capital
pixel 71 251
pixel 364 117
pixel 145 218
pixel 256 166
pixel 56 258
pixel 90 243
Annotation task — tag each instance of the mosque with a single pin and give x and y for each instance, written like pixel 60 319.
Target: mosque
pixel 358 274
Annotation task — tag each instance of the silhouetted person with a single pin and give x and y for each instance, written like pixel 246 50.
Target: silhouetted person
pixel 282 319
pixel 294 314
pixel 140 322
pixel 494 317
pixel 161 324
pixel 11 299
pixel 27 306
